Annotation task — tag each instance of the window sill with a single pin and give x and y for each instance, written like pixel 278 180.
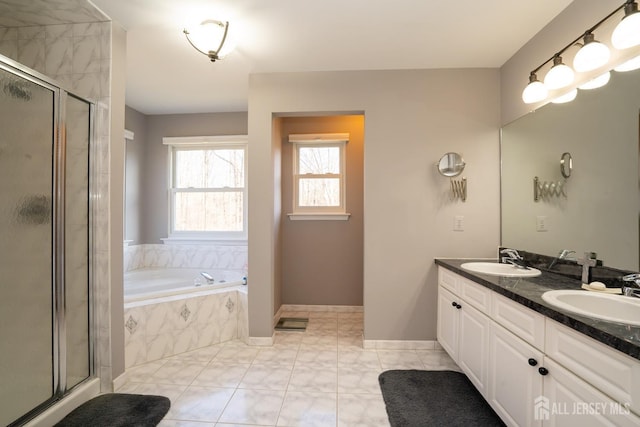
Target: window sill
pixel 319 217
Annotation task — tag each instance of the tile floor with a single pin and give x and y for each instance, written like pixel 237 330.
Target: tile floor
pixel 320 377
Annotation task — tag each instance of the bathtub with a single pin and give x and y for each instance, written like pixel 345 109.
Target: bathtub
pixel 166 314
pixel 151 283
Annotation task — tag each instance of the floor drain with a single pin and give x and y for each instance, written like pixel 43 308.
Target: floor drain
pixel 292 324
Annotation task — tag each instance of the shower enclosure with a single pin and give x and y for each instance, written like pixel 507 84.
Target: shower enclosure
pixel 45 239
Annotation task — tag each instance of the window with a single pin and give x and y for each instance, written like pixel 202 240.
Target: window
pixel 319 176
pixel 207 190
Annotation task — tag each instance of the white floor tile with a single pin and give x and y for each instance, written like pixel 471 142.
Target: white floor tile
pixel 361 410
pixel 308 409
pixel 253 407
pixel 200 404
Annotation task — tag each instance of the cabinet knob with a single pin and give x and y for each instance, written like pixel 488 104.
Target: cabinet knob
pixel 543 371
pixel 458 306
pixel 533 362
pixel 454 304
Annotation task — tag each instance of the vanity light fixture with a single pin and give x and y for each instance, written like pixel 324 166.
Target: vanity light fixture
pixel 591 56
pixel 630 65
pixel 560 75
pixel 627 33
pixel 567 97
pixel 210 38
pixel 597 82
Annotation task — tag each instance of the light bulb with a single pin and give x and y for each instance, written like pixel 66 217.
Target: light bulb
pixel 599 81
pixel 627 32
pixel 559 76
pixel 630 65
pixel 567 97
pixel 591 56
pixel 535 91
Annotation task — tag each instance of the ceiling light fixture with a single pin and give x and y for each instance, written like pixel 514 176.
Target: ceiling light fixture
pixel 567 97
pixel 627 33
pixel 597 82
pixel 209 39
pixel 591 56
pixel 630 65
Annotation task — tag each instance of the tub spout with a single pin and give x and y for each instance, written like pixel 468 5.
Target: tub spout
pixel 208 277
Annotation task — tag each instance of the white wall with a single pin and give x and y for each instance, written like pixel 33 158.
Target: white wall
pixel 412 118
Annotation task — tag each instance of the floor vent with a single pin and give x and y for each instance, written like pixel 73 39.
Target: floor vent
pixel 292 324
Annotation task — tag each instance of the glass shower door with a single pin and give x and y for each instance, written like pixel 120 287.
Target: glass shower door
pixel 27 140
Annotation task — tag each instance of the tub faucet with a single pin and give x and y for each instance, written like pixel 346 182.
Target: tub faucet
pixel 208 277
pixel 631 285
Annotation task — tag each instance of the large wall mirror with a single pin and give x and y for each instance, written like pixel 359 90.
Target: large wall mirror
pixel 597 207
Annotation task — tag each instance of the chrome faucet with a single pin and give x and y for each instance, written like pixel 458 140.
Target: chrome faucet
pixel 589 260
pixel 514 258
pixel 208 277
pixel 631 285
pixel 563 254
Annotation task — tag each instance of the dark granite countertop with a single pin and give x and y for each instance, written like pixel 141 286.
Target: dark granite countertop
pixel 528 292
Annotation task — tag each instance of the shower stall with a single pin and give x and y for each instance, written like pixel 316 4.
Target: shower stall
pixel 46 317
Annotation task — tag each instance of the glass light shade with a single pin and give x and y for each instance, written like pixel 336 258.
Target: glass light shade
pixel 207 37
pixel 630 65
pixel 599 81
pixel 535 91
pixel 559 76
pixel 627 33
pixel 567 97
pixel 591 56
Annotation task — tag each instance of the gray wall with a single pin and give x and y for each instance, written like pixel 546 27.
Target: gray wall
pixel 322 261
pixel 136 122
pixel 412 118
pixel 152 199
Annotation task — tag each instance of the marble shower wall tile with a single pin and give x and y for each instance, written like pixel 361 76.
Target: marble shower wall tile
pixel 210 257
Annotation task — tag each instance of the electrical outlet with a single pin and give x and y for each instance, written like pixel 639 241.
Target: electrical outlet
pixel 458 223
pixel 542 224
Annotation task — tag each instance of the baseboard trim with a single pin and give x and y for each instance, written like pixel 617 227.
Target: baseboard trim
pixel 120 381
pixel 319 308
pixel 260 341
pixel 81 394
pixel 401 345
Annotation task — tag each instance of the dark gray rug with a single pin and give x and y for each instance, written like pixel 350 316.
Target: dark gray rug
pixel 434 398
pixel 118 410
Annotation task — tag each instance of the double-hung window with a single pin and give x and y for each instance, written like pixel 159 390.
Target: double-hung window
pixel 319 176
pixel 208 191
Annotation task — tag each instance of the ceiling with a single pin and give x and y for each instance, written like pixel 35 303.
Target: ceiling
pixel 166 75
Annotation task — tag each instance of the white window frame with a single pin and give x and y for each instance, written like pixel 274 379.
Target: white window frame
pixel 175 144
pixel 319 212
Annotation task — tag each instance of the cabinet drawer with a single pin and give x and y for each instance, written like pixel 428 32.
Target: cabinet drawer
pixel 448 280
pixel 476 295
pixel 610 371
pixel 522 321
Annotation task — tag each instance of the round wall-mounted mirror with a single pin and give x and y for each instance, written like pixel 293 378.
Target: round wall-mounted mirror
pixel 566 164
pixel 451 164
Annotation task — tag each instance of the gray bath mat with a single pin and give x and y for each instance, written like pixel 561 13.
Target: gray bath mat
pixel 434 398
pixel 292 324
pixel 118 410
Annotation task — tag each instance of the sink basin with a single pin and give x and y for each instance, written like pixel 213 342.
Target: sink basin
pixel 614 308
pixel 497 269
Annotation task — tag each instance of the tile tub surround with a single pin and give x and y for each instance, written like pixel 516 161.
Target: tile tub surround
pixel 320 377
pixel 223 257
pixel 528 292
pixel 164 327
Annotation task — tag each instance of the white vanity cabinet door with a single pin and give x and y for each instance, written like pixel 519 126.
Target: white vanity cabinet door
pixel 514 379
pixel 473 346
pixel 610 371
pixel 522 321
pixel 448 321
pixel 571 402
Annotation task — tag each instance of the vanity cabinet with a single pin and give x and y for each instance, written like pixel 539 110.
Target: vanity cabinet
pixel 463 327
pixel 532 370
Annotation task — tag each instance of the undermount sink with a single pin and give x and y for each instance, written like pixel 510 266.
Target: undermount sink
pixel 614 308
pixel 498 269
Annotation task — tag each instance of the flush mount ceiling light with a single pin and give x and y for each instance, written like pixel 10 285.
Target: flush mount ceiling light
pixel 627 33
pixel 209 38
pixel 591 56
